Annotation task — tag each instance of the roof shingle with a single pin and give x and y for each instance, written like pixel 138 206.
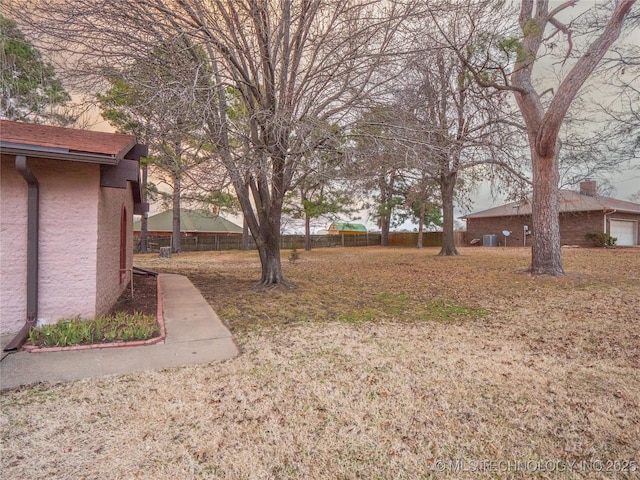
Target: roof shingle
pixel 191 221
pixel 570 201
pixel 70 139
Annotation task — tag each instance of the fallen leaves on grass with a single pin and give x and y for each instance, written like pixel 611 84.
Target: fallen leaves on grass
pixel 539 370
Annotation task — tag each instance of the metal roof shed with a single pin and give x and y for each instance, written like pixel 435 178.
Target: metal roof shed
pixel 347 229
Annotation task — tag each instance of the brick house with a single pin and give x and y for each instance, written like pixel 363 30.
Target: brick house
pixel 580 213
pixel 66 227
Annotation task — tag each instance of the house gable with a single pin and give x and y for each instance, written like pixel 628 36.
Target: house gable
pixel 580 213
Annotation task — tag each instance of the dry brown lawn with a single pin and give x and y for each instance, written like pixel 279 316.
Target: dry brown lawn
pixel 382 363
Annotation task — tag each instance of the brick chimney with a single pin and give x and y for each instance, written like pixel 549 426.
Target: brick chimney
pixel 589 188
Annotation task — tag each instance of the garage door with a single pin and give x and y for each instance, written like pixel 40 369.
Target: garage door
pixel 624 231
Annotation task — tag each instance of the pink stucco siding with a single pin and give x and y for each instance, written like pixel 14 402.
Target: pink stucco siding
pixel 13 249
pixel 68 237
pixel 108 284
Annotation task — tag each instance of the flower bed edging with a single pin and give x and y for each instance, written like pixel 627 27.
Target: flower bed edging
pixel 93 346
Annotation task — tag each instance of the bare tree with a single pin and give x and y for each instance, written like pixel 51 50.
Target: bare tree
pixel 620 72
pixel 448 132
pixel 292 66
pixel 507 62
pixel 543 125
pixel 377 161
pixel 298 67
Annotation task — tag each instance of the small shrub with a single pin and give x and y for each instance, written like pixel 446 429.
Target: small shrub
pixel 600 239
pixel 295 256
pixel 121 327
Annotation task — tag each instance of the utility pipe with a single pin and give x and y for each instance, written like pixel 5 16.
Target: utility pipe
pixel 33 221
pixel 611 212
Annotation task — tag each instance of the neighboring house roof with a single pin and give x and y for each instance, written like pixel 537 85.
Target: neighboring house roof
pixel 350 227
pixel 191 221
pixel 570 201
pixel 46 141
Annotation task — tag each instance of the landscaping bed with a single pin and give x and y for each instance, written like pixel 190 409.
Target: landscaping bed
pixel 131 321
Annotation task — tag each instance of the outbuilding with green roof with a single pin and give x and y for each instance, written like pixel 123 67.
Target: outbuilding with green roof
pixel 347 229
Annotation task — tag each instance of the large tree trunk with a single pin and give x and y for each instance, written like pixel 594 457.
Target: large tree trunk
pixel 386 197
pixel 385 224
pixel 175 235
pixel 271 265
pixel 447 185
pixel 543 126
pixel 269 250
pixel 546 257
pixel 307 233
pixel 421 224
pixel 245 234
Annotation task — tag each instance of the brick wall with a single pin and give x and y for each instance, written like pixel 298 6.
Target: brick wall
pixel 477 227
pixel 573 227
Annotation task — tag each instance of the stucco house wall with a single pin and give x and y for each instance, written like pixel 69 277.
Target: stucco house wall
pixel 68 214
pixel 67 239
pixel 13 251
pixel 109 283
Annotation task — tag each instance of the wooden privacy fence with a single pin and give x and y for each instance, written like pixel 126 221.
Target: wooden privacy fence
pixel 429 239
pixel 194 243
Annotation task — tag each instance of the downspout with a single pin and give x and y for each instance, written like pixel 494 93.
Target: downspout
pixel 604 228
pixel 32 253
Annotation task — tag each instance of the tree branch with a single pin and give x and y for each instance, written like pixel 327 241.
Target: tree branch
pixel 557 110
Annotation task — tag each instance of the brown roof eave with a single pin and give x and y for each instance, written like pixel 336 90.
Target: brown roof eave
pixel 34 151
pixel 128 147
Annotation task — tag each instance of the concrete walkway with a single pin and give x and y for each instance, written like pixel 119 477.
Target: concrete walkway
pixel 194 335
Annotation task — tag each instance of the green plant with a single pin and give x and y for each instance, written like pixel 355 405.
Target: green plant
pixel 446 310
pixel 356 317
pixel 121 327
pixel 600 239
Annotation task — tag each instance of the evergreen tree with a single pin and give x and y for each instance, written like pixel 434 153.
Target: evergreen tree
pixel 30 90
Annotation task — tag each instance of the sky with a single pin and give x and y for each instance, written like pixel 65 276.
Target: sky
pixel 625 183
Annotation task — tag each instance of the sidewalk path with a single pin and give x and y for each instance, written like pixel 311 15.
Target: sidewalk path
pixel 195 335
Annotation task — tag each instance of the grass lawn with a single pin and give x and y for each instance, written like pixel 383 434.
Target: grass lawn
pixel 381 363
